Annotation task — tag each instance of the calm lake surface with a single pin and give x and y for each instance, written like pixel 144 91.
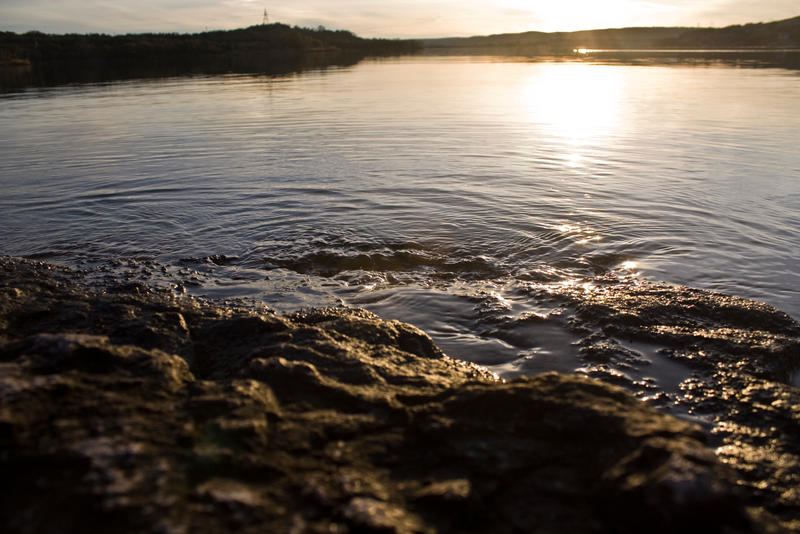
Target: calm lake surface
pixel 429 189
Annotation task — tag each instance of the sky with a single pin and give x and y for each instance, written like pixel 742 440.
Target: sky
pixel 383 18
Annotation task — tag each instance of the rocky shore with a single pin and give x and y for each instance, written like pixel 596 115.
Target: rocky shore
pixel 129 409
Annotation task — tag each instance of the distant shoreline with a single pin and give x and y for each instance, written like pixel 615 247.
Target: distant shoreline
pixel 275 43
pixel 778 35
pixel 36 58
pixel 280 42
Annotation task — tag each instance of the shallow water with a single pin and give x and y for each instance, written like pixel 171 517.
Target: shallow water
pixel 432 190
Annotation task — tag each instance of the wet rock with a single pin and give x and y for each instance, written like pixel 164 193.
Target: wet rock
pixel 332 420
pixel 602 349
pixel 743 354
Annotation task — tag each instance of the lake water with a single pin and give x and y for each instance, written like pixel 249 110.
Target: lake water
pixel 428 189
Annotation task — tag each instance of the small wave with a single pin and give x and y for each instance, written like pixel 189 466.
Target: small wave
pixel 216 259
pixel 329 264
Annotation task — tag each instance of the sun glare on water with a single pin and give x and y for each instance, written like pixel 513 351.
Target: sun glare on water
pixel 574 102
pixel 577 107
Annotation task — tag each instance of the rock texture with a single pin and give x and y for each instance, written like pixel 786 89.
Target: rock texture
pixel 743 353
pixel 133 411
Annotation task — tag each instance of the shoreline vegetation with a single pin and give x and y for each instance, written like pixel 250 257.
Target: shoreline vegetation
pixel 277 42
pixel 39 59
pixel 778 35
pixel 282 42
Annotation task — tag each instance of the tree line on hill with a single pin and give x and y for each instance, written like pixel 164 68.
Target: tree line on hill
pixel 773 35
pixel 279 48
pixel 274 41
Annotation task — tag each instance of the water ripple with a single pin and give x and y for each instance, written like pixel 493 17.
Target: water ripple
pixel 423 172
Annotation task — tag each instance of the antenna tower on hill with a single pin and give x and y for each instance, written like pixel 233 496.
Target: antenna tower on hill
pixel 266 18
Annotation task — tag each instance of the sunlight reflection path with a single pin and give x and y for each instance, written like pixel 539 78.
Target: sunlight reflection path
pixel 577 104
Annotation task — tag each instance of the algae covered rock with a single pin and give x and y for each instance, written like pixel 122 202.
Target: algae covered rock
pixel 136 411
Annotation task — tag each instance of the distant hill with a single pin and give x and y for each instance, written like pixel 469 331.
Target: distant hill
pixel 276 41
pixel 772 35
pixel 779 34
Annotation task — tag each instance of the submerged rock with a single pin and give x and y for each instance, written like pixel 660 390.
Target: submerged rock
pixel 136 411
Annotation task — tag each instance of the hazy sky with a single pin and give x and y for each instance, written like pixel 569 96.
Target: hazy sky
pixel 383 18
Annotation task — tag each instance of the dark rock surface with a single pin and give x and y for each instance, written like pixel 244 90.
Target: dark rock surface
pixel 128 410
pixel 743 354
